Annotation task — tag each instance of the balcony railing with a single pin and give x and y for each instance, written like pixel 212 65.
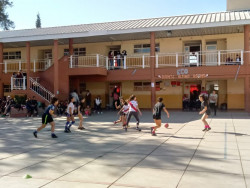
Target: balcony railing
pixel 179 59
pixel 18 83
pixel 11 66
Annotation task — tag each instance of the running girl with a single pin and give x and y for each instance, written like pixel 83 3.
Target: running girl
pixel 123 113
pixel 79 109
pixel 47 118
pixel 205 111
pixel 70 115
pixel 118 107
pixel 133 111
pixel 159 106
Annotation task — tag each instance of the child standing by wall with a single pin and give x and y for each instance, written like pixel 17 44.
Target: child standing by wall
pixel 133 111
pixel 47 118
pixel 205 111
pixel 70 115
pixel 159 106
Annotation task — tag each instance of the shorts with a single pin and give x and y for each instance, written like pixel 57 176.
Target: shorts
pixel 47 119
pixel 68 115
pixel 156 117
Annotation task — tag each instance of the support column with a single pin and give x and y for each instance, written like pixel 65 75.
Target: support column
pixel 56 68
pixel 28 64
pixel 1 71
pixel 246 65
pixel 71 49
pixel 152 68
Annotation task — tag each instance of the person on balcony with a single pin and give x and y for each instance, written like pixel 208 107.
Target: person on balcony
pixel 111 60
pixel 19 78
pixel 118 57
pixel 124 55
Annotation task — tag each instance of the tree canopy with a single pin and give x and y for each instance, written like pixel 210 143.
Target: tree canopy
pixel 5 22
pixel 38 21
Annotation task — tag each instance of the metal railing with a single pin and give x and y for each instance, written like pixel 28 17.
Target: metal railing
pixel 11 66
pixel 18 83
pixel 40 90
pixel 87 61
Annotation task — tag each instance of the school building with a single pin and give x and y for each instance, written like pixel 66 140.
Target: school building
pixel 170 57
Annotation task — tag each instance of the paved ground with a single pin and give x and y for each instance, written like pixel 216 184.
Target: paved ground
pixel 105 156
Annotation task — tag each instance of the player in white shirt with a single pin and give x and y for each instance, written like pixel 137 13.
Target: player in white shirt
pixel 70 115
pixel 123 113
pixel 133 111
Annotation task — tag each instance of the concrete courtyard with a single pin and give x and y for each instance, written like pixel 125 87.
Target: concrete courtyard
pixel 104 155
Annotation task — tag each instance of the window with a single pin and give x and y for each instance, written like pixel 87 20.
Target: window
pixel 145 86
pixel 7 88
pixel 145 48
pixel 82 87
pixel 12 55
pixel 76 51
pixel 142 86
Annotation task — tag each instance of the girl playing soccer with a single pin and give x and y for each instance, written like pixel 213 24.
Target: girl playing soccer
pixel 205 111
pixel 70 115
pixel 119 107
pixel 123 113
pixel 79 109
pixel 133 111
pixel 159 106
pixel 47 118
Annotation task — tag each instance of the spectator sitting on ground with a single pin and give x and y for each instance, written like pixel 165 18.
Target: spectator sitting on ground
pixel 61 108
pixel 8 105
pixel 87 111
pixel 34 105
pixel 28 107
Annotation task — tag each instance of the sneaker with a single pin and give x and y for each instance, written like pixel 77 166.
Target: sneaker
pixel 138 128
pixel 114 122
pixel 151 128
pixel 53 136
pixel 153 134
pixel 205 129
pixel 35 134
pixel 209 128
pixel 126 129
pixel 66 131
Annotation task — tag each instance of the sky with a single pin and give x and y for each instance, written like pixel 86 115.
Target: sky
pixel 74 12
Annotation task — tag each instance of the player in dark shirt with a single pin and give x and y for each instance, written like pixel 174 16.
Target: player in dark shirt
pixel 47 118
pixel 205 111
pixel 159 106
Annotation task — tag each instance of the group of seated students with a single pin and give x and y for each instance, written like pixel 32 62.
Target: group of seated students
pixel 32 107
pixel 5 105
pixel 231 61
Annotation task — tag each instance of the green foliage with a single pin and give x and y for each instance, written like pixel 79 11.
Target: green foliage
pixel 5 22
pixel 38 21
pixel 20 99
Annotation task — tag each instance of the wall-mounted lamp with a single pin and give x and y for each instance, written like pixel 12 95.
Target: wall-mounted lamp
pixel 169 33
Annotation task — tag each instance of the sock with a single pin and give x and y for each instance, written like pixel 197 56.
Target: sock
pixel 35 131
pixel 206 126
pixel 72 123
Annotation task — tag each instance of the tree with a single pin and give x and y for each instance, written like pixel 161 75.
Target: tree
pixel 5 22
pixel 38 21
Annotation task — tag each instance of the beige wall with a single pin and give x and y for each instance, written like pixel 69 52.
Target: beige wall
pixel 227 41
pixel 233 5
pixel 235 94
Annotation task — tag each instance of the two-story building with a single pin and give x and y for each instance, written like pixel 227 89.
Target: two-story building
pixel 172 57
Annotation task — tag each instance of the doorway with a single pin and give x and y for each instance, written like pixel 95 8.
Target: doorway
pixel 115 92
pixel 192 53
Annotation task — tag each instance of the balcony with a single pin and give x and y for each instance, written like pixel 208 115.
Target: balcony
pixel 178 59
pixel 11 66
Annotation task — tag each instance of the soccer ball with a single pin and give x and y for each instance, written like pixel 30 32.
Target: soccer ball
pixel 166 125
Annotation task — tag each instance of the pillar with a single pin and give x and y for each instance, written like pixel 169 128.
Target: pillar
pixel 56 68
pixel 1 71
pixel 152 68
pixel 246 64
pixel 71 49
pixel 28 64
